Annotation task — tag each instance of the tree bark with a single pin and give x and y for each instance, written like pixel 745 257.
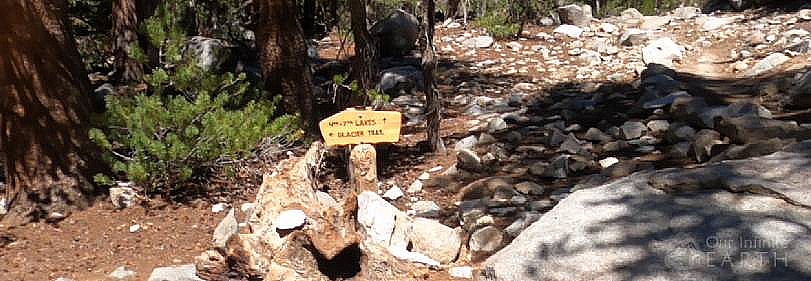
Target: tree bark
pixel 283 54
pixel 453 6
pixel 125 30
pixel 365 63
pixel 428 68
pixel 44 113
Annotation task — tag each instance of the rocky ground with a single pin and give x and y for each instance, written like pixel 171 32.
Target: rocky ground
pixel 630 148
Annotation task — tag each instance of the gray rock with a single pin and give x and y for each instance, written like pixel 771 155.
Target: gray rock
pixel 571 31
pixel 749 150
pixel 743 108
pixel 768 64
pixel 632 130
pixel 686 12
pixel 574 15
pixel 620 169
pixel 121 273
pixel 665 101
pixel 175 273
pixel 400 80
pixel 469 142
pixel 658 127
pixel 481 42
pixel 662 51
pixel 397 33
pixel 435 240
pixel 594 134
pixel 122 197
pixel 631 17
pixel 616 146
pixel 290 219
pixel 485 139
pixel 227 228
pixel 393 193
pixel 681 150
pixel 615 242
pixel 427 209
pixel 541 205
pixel 487 239
pixel 713 23
pixel 496 124
pixel 680 132
pixel 572 145
pixel 462 272
pixel 521 223
pixel 748 129
pixel 801 92
pixel 468 160
pixel 210 54
pixel 530 188
pixel 654 22
pixel 590 181
pixel 704 141
pixel 634 37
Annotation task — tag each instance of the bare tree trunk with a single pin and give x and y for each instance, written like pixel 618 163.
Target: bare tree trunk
pixel 308 18
pixel 453 7
pixel 365 64
pixel 285 65
pixel 44 113
pixel 428 68
pixel 125 30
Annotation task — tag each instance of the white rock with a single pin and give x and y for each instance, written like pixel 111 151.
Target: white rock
pixel 135 228
pixel 486 239
pixel 569 30
pixel 3 209
pixel 435 169
pixel 187 272
pixel 415 187
pixel 609 28
pixel 219 207
pixel 479 42
pixel 464 272
pixel 768 64
pixel 377 216
pixel 607 162
pixel 413 257
pixel 122 197
pixel 121 273
pixel 426 209
pixel 662 51
pixel 435 240
pixel 713 23
pixel 393 193
pixel 290 219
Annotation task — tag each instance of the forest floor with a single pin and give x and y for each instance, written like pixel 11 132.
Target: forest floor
pixel 90 244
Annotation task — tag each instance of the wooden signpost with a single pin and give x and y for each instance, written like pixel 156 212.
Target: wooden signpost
pixel 362 127
pixel 353 126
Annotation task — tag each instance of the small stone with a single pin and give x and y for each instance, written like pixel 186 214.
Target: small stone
pixel 122 197
pixel 135 228
pixel 541 205
pixel 187 272
pixel 594 134
pixel 632 130
pixel 415 187
pixel 121 273
pixel 768 64
pixel 496 124
pixel 468 160
pixel 290 219
pixel 487 239
pixel 607 162
pixel 464 272
pixel 226 229
pixel 569 30
pixel 485 139
pixel 658 127
pixel 435 169
pixel 247 209
pixel 530 188
pixel 479 42
pixel 466 143
pixel 393 193
pixel 428 209
pixel 219 207
pixel 3 209
pixel 435 240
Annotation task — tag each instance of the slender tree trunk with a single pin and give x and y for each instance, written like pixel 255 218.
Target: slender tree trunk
pixel 145 9
pixel 308 18
pixel 44 109
pixel 283 53
pixel 125 30
pixel 453 6
pixel 433 106
pixel 365 64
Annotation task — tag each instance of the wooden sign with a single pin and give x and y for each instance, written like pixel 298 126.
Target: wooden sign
pixel 353 126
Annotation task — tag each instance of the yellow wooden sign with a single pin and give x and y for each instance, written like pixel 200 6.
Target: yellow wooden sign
pixel 353 126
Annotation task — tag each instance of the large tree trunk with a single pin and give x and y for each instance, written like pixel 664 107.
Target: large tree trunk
pixel 365 64
pixel 44 109
pixel 125 30
pixel 285 66
pixel 428 68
